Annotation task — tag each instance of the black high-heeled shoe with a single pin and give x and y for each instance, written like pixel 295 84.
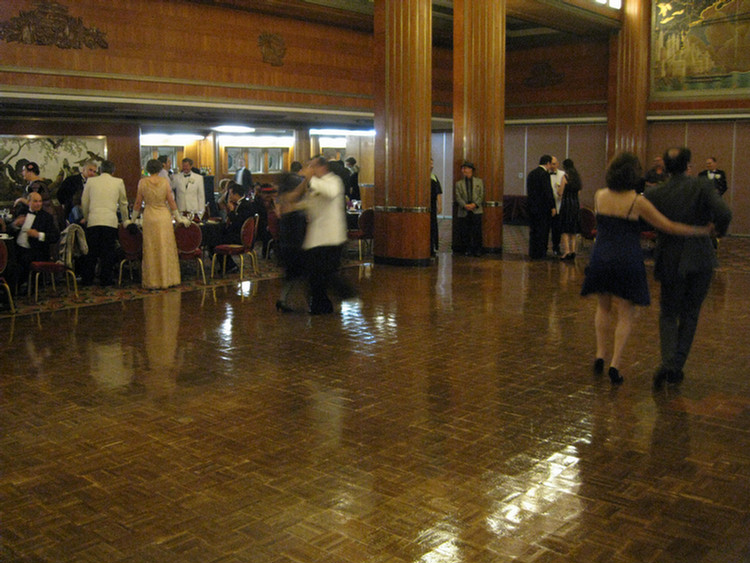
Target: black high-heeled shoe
pixel 599 366
pixel 283 307
pixel 614 376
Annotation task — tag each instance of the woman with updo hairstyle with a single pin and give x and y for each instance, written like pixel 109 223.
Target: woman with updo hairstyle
pixel 160 267
pixel 616 273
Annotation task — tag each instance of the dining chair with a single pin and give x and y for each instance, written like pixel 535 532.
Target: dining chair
pixel 587 222
pixel 249 234
pixel 189 244
pixel 3 283
pixel 131 242
pixel 365 230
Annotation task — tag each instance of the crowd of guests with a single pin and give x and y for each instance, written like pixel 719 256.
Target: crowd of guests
pixel 304 214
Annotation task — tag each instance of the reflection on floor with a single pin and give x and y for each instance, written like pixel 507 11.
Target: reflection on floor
pixel 449 415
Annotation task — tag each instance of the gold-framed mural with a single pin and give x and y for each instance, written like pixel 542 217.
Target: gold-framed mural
pixel 57 157
pixel 700 49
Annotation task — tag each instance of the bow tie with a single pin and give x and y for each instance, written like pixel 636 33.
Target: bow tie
pixel 186 175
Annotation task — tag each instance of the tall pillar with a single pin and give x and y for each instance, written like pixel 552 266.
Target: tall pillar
pixel 302 145
pixel 403 113
pixel 628 81
pixel 479 104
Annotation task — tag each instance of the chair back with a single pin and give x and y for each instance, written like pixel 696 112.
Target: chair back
pixel 366 223
pixel 250 232
pixel 3 256
pixel 274 228
pixel 132 244
pixel 188 238
pixel 587 221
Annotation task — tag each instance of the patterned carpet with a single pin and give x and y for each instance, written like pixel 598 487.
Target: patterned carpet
pixel 130 290
pixel 734 255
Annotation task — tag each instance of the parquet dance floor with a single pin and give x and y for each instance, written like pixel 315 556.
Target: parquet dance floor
pixel 450 415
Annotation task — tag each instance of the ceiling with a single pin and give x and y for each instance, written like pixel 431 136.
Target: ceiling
pixel 528 23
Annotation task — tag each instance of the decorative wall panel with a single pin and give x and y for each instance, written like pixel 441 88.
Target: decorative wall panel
pixel 700 49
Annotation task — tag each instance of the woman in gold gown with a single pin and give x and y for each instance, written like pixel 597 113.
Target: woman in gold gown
pixel 161 266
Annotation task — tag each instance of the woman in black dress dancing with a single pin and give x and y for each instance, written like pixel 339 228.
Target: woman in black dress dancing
pixel 616 273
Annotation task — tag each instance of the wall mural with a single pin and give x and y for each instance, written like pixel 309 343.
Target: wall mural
pixel 49 24
pixel 700 48
pixel 57 158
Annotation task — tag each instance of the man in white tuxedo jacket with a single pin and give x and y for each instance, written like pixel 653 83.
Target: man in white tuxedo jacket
pixel 188 190
pixel 102 196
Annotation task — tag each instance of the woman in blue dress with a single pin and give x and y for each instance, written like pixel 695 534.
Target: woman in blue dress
pixel 616 272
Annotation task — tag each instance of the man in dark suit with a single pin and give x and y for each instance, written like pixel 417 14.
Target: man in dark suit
pixel 684 265
pixel 72 186
pixel 239 209
pixel 243 176
pixel 540 204
pixel 37 230
pixel 719 177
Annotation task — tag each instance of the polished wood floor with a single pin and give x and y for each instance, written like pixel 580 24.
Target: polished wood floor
pixel 449 415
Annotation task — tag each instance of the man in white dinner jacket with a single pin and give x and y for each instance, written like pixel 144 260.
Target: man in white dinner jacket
pixel 102 196
pixel 188 190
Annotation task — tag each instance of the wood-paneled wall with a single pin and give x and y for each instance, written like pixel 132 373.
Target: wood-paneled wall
pixel 727 141
pixel 163 48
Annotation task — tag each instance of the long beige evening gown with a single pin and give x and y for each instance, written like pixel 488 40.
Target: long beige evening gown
pixel 161 266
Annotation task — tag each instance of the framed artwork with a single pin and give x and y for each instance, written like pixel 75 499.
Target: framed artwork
pixel 57 157
pixel 700 49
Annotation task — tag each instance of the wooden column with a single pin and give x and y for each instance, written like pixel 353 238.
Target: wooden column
pixel 479 104
pixel 302 146
pixel 403 102
pixel 628 82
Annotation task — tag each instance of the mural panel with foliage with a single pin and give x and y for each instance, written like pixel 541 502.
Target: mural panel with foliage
pixel 57 158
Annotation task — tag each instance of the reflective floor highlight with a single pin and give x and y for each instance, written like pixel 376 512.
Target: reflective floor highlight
pixel 450 415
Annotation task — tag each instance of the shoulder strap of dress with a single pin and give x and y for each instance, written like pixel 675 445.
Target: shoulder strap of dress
pixel 632 205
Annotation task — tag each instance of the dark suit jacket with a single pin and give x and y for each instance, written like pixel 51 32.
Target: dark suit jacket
pixel 540 201
pixel 68 189
pixel 720 180
pixel 694 201
pixel 44 223
pixel 244 177
pixel 235 220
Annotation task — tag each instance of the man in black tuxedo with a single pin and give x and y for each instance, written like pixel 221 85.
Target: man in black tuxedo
pixel 719 177
pixel 239 210
pixel 683 265
pixel 37 230
pixel 540 204
pixel 72 186
pixel 243 176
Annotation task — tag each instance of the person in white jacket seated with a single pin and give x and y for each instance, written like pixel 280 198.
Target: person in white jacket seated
pixel 188 190
pixel 102 196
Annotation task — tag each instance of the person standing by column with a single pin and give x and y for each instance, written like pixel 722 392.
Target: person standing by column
pixel 469 198
pixel 102 196
pixel 683 266
pixel 435 207
pixel 540 204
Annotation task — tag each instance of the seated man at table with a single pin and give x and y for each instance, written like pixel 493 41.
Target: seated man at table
pixel 37 230
pixel 239 210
